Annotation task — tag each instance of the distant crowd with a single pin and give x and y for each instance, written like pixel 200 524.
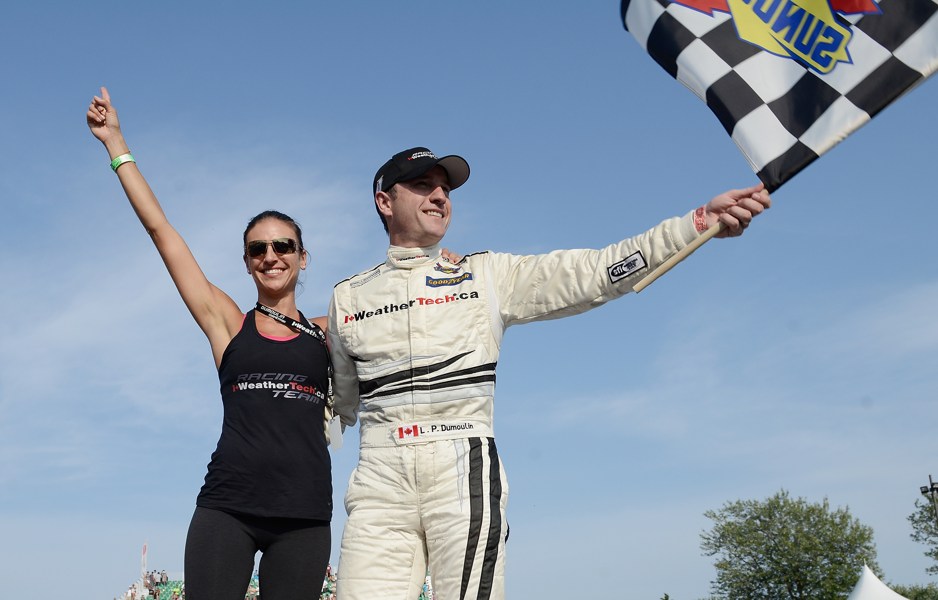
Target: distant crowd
pixel 156 585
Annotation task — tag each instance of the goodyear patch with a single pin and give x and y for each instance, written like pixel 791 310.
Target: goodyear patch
pixel 445 281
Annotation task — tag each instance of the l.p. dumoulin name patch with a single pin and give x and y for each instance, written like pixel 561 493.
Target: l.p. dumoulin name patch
pixel 627 266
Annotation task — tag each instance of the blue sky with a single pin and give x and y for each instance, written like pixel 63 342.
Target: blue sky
pixel 801 356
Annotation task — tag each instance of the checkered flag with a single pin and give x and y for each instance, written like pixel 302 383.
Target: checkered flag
pixel 789 79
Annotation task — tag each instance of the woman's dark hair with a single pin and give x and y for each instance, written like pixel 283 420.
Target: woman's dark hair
pixel 273 214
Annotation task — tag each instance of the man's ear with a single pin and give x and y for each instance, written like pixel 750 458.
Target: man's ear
pixel 383 202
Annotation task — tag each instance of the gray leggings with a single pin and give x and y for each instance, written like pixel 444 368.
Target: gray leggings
pixel 220 549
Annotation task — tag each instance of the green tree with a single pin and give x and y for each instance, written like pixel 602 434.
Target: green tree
pixel 916 592
pixel 784 548
pixel 925 530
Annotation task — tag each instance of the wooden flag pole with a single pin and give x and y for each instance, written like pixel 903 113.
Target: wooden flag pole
pixel 678 257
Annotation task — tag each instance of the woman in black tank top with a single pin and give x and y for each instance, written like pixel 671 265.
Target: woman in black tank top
pixel 269 483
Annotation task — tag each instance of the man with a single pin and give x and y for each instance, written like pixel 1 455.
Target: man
pixel 414 343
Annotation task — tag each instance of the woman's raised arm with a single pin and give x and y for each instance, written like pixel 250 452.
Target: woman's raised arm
pixel 216 314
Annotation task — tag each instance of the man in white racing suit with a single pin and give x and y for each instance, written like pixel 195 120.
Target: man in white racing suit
pixel 415 341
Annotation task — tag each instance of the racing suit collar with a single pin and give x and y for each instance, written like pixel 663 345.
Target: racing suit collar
pixel 409 258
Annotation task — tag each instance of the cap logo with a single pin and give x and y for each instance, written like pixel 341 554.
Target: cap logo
pixel 417 155
pixel 378 184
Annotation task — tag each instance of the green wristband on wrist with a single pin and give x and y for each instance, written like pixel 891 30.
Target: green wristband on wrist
pixel 123 158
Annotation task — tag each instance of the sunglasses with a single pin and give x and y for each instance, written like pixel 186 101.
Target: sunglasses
pixel 258 248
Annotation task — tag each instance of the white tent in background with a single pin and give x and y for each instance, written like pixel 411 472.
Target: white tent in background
pixel 869 587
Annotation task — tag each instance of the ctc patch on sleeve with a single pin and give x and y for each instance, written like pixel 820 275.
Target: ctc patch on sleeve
pixel 626 266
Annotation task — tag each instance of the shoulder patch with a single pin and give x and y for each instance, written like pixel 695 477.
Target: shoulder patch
pixel 360 280
pixel 367 274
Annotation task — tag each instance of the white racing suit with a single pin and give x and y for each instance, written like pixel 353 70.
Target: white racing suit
pixel 414 345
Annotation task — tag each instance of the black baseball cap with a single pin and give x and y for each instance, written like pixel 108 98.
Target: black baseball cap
pixel 413 163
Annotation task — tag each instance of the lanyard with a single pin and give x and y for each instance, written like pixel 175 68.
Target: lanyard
pixel 314 331
pixel 333 425
pixel 293 324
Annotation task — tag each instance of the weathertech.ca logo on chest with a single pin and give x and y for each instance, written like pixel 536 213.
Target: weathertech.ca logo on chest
pixel 416 303
pixel 279 385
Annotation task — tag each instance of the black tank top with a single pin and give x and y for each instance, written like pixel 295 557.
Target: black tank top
pixel 271 459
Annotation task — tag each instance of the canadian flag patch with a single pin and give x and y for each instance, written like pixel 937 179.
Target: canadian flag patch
pixel 408 431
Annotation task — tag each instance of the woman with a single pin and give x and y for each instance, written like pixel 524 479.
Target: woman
pixel 269 484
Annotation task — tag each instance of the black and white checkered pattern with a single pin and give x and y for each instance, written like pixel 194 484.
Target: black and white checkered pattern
pixel 781 114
